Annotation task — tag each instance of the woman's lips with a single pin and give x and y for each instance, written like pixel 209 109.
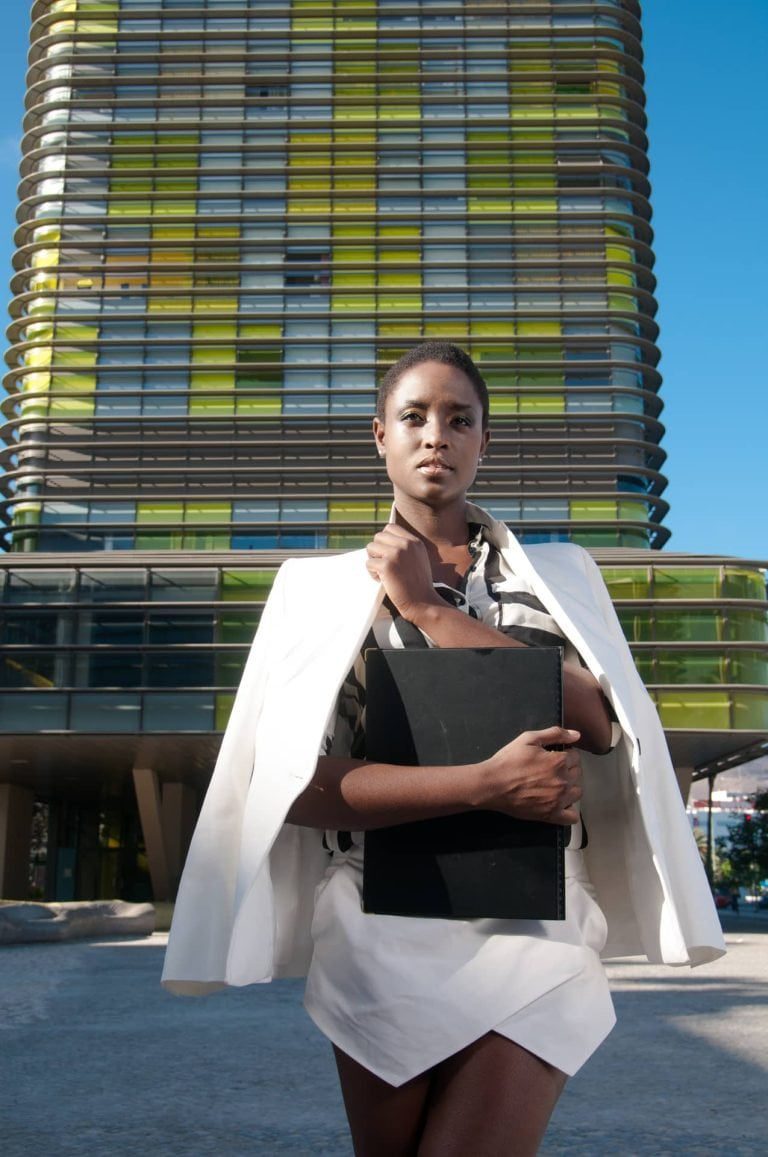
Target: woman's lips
pixel 434 469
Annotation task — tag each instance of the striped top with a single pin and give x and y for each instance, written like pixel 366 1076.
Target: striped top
pixel 486 592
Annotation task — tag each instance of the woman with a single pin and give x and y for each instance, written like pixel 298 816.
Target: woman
pixel 450 1036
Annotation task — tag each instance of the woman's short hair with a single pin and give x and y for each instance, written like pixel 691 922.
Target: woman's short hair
pixel 433 351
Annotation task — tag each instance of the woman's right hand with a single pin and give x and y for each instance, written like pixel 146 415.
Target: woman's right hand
pixel 529 782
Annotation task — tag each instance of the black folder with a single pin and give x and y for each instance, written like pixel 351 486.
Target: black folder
pixel 443 706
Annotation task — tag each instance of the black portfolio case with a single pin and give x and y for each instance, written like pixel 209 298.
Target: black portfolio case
pixel 443 706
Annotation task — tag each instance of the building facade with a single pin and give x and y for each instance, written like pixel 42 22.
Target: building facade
pixel 233 216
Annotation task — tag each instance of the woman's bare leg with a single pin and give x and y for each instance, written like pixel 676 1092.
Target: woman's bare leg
pixel 491 1099
pixel 384 1121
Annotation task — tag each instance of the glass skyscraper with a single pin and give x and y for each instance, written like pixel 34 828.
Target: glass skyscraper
pixel 233 217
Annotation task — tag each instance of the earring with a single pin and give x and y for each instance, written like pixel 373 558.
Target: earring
pixel 479 461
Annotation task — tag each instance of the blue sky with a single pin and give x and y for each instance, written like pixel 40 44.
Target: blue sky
pixel 705 67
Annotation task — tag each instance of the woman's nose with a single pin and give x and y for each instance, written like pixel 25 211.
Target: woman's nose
pixel 435 433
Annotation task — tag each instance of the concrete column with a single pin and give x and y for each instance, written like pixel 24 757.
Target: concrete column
pixel 148 798
pixel 179 811
pixel 15 834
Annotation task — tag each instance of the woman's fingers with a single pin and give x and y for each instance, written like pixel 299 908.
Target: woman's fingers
pixel 552 737
pixel 529 780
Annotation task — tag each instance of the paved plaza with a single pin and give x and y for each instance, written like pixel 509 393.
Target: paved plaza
pixel 96 1059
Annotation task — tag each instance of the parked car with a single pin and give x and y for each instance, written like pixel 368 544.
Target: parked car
pixel 722 900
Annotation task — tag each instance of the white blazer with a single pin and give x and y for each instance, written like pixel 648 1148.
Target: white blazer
pixel 245 900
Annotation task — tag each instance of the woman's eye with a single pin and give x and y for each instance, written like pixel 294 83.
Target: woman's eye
pixel 462 420
pixel 411 415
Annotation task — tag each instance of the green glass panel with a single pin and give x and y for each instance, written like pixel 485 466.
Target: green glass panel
pixel 644 664
pixel 251 585
pixel 750 711
pixel 694 626
pixel 744 625
pixel 686 582
pixel 747 667
pixel 237 626
pixel 694 710
pixel 637 625
pixel 743 584
pixel 626 582
pixel 223 708
pixel 690 667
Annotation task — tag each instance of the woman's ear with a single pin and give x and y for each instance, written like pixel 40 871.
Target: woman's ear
pixel 485 441
pixel 378 434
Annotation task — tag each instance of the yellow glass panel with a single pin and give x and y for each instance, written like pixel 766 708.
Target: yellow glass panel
pixel 226 305
pixel 353 136
pixel 400 279
pixel 489 204
pixel 47 234
pixel 399 301
pixel 534 205
pixel 214 329
pixel 502 403
pixel 593 509
pixel 162 304
pixel 71 407
pixel 129 208
pixel 45 257
pixel 218 231
pixel 541 403
pixel 355 229
pixel 490 328
pixel 346 279
pixel 75 357
pixel 351 511
pixel 265 406
pixel 207 512
pixel 131 185
pixel 399 231
pixel 445 329
pixel 261 329
pixel 207 380
pixel 539 328
pixel 76 332
pixel 213 356
pixel 36 381
pixel 353 301
pixel 173 208
pixel 357 112
pixel 399 255
pixel 72 383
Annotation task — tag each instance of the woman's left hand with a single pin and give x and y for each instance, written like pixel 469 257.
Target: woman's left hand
pixel 399 561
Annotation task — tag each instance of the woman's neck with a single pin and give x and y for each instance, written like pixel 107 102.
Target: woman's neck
pixel 444 534
pixel 444 529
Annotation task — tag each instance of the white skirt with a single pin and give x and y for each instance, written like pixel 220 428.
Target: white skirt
pixel 399 994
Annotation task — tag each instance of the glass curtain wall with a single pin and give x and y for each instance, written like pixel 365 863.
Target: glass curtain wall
pixel 235 215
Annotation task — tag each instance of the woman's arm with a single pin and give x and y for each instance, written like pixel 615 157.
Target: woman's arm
pixel 522 779
pixel 585 707
pixel 398 559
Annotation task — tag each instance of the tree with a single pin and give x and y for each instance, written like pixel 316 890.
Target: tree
pixel 743 853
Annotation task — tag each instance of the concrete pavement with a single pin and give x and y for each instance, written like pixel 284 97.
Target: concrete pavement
pixel 96 1059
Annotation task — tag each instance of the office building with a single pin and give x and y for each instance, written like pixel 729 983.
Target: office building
pixel 233 216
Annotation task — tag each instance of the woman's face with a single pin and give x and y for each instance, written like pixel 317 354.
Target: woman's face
pixel 432 434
